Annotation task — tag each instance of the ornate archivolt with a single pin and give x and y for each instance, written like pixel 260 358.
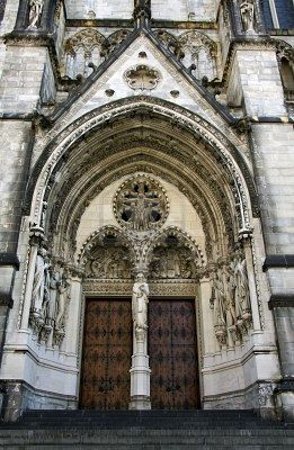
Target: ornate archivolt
pixel 56 155
pixel 146 138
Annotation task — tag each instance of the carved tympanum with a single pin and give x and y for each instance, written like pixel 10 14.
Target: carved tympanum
pixel 172 263
pixel 109 262
pixel 141 203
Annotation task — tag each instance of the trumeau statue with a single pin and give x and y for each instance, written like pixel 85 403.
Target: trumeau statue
pixel 35 13
pixel 247 11
pixel 139 303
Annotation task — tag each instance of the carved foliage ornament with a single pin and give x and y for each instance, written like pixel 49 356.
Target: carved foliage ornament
pixel 141 204
pixel 142 78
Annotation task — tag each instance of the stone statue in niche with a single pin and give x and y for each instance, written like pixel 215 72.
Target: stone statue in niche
pixel 35 13
pixel 140 303
pixel 141 204
pixel 247 10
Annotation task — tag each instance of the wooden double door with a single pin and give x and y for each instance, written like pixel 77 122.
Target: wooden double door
pixel 107 351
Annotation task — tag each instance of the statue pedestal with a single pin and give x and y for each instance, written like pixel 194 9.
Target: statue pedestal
pixel 140 382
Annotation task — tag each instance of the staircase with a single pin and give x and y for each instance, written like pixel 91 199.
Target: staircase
pixel 145 430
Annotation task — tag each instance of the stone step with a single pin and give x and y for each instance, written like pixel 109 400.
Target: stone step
pixel 147 419
pixel 159 440
pixel 145 430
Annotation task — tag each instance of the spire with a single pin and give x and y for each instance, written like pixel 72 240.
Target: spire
pixel 142 12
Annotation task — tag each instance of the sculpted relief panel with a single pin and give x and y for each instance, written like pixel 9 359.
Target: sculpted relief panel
pixel 172 263
pixel 109 262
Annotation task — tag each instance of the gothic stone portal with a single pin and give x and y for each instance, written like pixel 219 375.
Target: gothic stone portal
pixel 107 350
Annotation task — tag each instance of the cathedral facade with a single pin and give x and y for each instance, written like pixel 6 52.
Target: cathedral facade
pixel 147 214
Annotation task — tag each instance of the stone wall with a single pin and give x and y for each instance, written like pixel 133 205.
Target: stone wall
pixel 100 9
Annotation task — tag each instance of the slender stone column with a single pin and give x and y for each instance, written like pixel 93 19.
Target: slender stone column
pixel 246 240
pixel 140 371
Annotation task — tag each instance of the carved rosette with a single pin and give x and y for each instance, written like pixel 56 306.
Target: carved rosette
pixel 142 77
pixel 141 204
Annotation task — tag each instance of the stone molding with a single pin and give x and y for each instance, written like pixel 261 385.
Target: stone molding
pixel 281 301
pixel 114 288
pixel 285 385
pixel 9 259
pixel 285 261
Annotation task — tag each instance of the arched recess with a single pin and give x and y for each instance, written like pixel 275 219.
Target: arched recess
pixel 142 135
pixel 170 146
pixel 153 136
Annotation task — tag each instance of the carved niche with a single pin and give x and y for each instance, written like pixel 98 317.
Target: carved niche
pixel 141 204
pixel 199 52
pixel 142 78
pixel 81 49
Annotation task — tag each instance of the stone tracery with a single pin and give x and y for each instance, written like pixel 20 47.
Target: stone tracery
pixel 141 203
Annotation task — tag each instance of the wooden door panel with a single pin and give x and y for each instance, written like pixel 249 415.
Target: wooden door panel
pixel 173 354
pixel 107 350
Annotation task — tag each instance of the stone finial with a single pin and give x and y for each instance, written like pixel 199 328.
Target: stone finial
pixel 142 11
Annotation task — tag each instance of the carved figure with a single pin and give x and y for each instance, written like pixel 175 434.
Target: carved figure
pixel 218 304
pixel 140 302
pixel 39 280
pixel 247 15
pixel 62 287
pixel 35 13
pixel 242 300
